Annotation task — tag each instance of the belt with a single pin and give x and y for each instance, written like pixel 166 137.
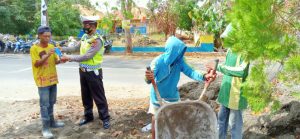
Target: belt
pixel 86 70
pixel 90 66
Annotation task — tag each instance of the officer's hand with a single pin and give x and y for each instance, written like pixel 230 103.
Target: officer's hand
pixel 64 59
pixel 149 75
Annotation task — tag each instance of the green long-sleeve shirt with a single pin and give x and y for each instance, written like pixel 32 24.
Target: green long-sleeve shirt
pixel 235 71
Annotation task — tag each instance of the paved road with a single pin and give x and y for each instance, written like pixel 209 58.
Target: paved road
pixel 123 78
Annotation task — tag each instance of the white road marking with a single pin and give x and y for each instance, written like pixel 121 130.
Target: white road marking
pixel 66 67
pixel 21 70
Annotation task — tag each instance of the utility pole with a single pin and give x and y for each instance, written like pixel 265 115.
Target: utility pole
pixel 44 13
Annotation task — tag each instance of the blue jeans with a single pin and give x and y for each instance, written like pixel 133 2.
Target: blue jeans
pixel 47 100
pixel 235 120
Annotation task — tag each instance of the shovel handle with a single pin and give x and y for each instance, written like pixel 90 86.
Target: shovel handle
pixel 155 88
pixel 202 96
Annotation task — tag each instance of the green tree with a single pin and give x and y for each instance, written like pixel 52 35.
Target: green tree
pixel 63 18
pixel 290 20
pixel 166 19
pixel 106 23
pixel 153 6
pixel 17 16
pixel 181 8
pixel 168 15
pixel 210 19
pixel 23 16
pixel 262 36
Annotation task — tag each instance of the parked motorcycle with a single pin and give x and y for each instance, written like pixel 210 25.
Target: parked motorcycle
pixel 9 46
pixel 2 46
pixel 25 49
pixel 107 44
pixel 18 45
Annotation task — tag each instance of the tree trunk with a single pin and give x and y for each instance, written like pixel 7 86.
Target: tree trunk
pixel 166 36
pixel 174 32
pixel 218 43
pixel 126 6
pixel 128 41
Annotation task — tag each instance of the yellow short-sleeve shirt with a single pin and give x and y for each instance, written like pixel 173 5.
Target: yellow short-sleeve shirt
pixel 44 75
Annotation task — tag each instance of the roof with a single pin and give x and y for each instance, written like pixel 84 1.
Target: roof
pixel 138 13
pixel 85 11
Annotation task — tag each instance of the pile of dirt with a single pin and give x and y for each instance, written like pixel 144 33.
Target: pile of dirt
pixel 193 90
pixel 145 41
pixel 128 116
pixel 283 124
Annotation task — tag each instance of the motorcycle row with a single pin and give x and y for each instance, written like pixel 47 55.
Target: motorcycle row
pixel 17 45
pixel 9 44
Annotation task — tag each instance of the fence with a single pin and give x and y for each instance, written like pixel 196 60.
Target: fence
pixel 203 48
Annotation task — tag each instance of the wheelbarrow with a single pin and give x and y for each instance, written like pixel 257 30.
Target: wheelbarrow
pixel 190 119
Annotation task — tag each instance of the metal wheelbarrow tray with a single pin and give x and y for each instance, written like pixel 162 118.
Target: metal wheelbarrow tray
pixel 186 120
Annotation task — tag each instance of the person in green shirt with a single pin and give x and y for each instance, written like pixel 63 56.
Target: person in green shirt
pixel 235 71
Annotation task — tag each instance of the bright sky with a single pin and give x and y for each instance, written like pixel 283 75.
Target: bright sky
pixel 113 3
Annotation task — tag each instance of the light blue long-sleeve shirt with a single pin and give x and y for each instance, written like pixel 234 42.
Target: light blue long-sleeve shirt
pixel 166 69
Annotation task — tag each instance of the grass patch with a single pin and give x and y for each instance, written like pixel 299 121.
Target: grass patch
pixel 120 41
pixel 159 38
pixel 296 95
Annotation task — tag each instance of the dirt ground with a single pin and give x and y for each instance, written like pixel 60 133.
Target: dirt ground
pixel 21 119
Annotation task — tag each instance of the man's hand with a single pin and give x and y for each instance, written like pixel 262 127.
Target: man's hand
pixel 52 51
pixel 211 72
pixel 44 56
pixel 149 75
pixel 48 54
pixel 64 59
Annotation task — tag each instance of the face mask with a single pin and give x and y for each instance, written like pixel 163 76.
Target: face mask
pixel 87 30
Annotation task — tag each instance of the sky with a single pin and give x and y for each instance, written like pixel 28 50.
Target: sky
pixel 113 3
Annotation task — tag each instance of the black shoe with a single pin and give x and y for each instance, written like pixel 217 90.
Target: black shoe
pixel 84 121
pixel 106 124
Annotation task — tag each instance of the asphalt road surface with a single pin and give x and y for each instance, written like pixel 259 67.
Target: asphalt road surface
pixel 123 77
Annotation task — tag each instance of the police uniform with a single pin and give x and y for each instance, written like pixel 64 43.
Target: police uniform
pixel 91 80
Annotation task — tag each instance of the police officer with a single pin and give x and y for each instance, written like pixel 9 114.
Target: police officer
pixel 90 71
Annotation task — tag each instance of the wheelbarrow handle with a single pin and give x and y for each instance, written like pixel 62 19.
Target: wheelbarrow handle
pixel 155 89
pixel 202 96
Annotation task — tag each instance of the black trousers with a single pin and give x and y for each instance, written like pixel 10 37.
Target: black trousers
pixel 92 89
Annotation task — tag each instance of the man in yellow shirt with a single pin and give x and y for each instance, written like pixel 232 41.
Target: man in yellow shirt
pixel 45 76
